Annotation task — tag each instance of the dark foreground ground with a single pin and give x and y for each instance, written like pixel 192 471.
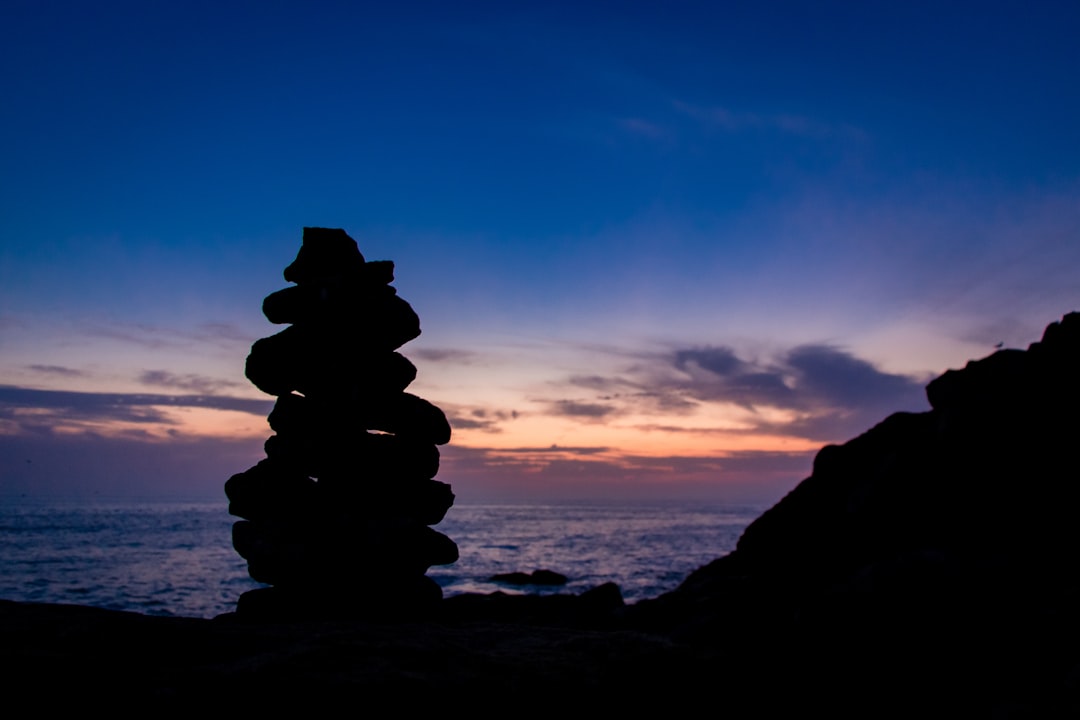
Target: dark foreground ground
pixel 836 661
pixel 83 655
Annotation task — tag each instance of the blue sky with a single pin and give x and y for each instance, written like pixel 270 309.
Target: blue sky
pixel 656 251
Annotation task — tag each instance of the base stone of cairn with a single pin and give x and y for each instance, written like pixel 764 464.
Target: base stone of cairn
pixel 337 517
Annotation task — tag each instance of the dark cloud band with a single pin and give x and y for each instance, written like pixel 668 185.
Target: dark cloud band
pixel 118 406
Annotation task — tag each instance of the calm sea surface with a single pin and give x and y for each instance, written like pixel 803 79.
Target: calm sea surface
pixel 177 558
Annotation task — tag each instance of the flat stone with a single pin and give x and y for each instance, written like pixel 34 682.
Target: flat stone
pixel 325 253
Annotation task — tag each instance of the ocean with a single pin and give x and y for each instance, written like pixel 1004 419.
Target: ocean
pixel 176 558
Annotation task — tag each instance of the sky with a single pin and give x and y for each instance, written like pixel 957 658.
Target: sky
pixel 659 251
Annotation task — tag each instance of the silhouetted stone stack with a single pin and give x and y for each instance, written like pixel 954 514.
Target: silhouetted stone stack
pixel 337 517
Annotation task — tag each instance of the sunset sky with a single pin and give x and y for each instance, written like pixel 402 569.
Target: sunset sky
pixel 657 250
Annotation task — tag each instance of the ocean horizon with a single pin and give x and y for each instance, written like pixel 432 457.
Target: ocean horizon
pixel 174 556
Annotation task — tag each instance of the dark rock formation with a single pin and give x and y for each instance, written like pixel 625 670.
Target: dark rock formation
pixel 985 482
pixel 337 517
pixel 937 554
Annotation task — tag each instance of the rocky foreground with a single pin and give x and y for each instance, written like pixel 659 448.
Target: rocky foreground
pixel 927 568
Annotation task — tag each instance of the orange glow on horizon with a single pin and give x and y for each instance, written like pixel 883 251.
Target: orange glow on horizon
pixel 528 441
pixel 701 435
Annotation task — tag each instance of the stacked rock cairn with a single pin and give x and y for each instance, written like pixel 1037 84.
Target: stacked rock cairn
pixel 336 518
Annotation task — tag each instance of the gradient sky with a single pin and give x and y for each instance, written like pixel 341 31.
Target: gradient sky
pixel 658 250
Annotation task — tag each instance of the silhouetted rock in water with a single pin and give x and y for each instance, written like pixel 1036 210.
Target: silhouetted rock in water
pixel 536 577
pixel 337 517
pixel 597 607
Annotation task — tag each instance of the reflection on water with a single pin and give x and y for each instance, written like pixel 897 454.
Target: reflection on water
pixel 162 559
pixel 645 550
pixel 177 558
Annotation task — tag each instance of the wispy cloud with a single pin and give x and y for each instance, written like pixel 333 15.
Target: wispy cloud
pixel 644 128
pixel 221 331
pixel 478 418
pixel 158 337
pixel 572 408
pixel 549 450
pixel 825 392
pixel 682 429
pixel 201 384
pixel 57 370
pixel 637 388
pixel 31 407
pixel 730 120
pixel 144 336
pixel 445 355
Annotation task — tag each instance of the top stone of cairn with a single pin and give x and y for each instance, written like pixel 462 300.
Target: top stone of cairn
pixel 326 253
